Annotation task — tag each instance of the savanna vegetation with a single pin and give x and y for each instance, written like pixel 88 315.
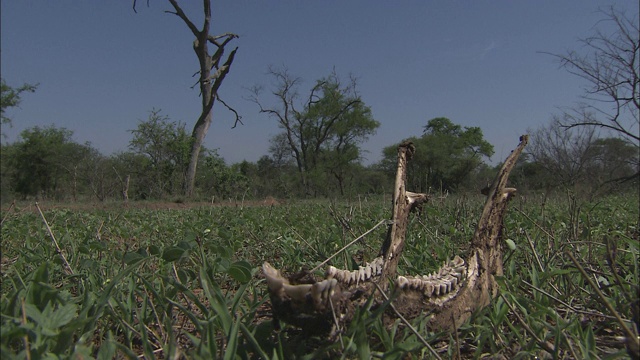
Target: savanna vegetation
pixel 166 283
pixel 135 254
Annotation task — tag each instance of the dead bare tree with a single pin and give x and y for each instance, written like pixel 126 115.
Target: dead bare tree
pixel 450 295
pixel 565 154
pixel 212 73
pixel 610 67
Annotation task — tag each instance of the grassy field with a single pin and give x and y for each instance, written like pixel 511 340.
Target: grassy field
pixel 183 281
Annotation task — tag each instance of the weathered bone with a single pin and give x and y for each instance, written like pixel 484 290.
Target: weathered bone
pixel 450 294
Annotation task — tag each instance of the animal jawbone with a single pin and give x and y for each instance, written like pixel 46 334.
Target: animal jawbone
pixel 443 282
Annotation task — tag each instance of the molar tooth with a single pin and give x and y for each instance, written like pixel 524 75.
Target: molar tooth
pixel 347 276
pixel 368 272
pixel 443 289
pixel 436 289
pixel 457 261
pixel 377 263
pixel 331 271
pixel 417 284
pixel 361 274
pixel 402 282
pixel 322 291
pixel 428 289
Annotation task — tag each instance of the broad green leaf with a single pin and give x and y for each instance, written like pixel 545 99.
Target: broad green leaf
pixel 63 315
pixel 107 349
pixel 132 258
pixel 240 271
pixel 154 250
pixel 172 253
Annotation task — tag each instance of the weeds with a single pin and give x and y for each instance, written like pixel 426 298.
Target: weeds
pixel 185 283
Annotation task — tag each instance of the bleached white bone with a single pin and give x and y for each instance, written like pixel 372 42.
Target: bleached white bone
pixel 275 280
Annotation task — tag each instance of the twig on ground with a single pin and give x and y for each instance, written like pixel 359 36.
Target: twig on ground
pixel 67 267
pixel 533 249
pixel 543 344
pixel 13 203
pixel 630 335
pixel 564 303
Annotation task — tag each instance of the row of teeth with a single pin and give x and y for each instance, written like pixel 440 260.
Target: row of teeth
pixel 363 273
pixel 436 284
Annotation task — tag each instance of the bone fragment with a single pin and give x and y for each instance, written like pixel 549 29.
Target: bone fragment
pixel 275 281
pixel 297 292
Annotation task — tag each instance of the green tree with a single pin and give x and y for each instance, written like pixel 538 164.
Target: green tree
pixel 219 181
pixel 45 163
pixel 166 145
pixel 321 133
pixel 446 154
pixel 615 159
pixel 11 97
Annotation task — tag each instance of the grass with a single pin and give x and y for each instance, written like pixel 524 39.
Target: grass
pixel 185 283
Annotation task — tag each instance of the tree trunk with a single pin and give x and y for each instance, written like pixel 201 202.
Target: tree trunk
pixel 209 83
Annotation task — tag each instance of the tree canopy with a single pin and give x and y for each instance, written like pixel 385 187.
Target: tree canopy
pixel 322 133
pixel 11 97
pixel 446 154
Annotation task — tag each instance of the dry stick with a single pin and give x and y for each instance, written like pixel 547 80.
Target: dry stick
pixel 64 260
pixel 534 222
pixel 335 321
pixel 564 303
pixel 541 343
pixel 423 340
pixel 13 203
pixel 303 239
pixel 630 335
pixel 533 249
pixel 349 244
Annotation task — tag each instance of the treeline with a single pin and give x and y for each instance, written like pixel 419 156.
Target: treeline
pixel 48 164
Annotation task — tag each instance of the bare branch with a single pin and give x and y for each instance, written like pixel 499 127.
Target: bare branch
pixel 135 3
pixel 180 13
pixel 610 67
pixel 238 117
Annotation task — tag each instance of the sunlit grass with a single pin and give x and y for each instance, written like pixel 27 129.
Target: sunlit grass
pixel 167 282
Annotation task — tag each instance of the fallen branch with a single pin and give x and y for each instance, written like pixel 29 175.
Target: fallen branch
pixel 67 267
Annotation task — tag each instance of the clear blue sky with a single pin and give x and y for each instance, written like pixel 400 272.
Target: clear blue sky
pixel 102 68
